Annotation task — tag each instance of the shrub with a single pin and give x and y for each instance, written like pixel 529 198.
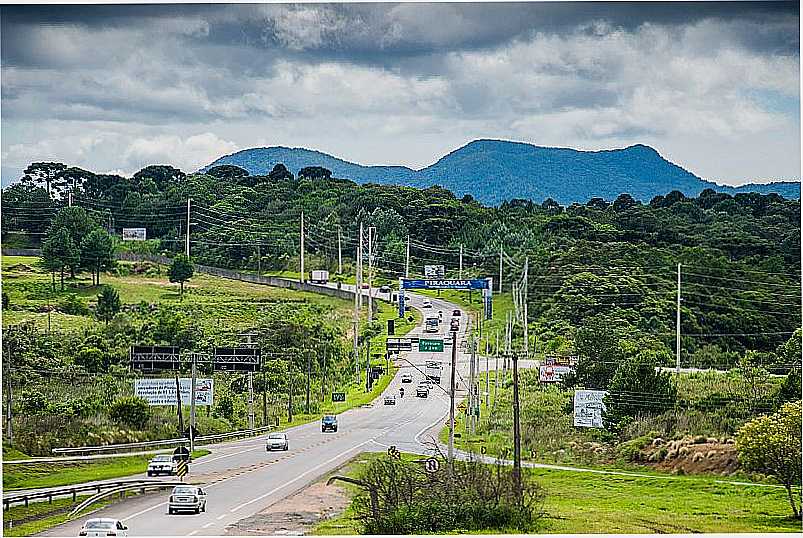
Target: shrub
pixel 74 305
pixel 131 410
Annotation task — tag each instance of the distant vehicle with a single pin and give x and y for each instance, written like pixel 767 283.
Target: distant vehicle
pixel 187 498
pixel 329 422
pixel 427 303
pixel 401 392
pixel 384 289
pixel 454 326
pixel 365 286
pixel 407 378
pixel 422 390
pixel 277 441
pixel 456 313
pixel 319 277
pixel 103 526
pixel 390 399
pixel 161 464
pixel 432 370
pixel 431 323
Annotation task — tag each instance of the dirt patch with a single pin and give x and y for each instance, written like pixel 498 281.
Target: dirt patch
pixel 22 268
pixel 296 514
pixel 693 455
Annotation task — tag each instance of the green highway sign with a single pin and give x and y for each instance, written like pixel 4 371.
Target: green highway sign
pixel 430 346
pixel 338 396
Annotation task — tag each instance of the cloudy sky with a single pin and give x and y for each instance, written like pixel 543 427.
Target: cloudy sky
pixel 712 86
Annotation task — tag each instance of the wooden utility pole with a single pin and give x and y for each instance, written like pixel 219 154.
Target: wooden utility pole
pixel 192 403
pixel 187 245
pixel 178 407
pixel 302 248
pixel 677 329
pixel 516 428
pixel 451 399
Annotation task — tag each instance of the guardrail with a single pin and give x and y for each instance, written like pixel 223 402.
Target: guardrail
pixel 119 489
pixel 51 493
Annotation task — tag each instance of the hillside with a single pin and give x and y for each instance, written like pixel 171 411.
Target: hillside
pixel 494 170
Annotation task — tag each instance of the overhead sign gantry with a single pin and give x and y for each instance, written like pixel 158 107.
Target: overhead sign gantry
pixel 484 284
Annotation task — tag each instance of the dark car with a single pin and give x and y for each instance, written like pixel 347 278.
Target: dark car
pixel 329 422
pixel 384 289
pixel 456 313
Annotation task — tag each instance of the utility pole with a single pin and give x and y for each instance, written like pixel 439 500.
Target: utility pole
pixel 309 378
pixel 516 428
pixel 356 320
pixel 496 366
pixel 371 231
pixel 259 260
pixel 251 400
pixel 472 400
pixel 290 393
pixel 526 333
pixel 359 267
pixel 460 274
pixel 69 199
pixel 407 263
pixel 302 247
pixel 187 246
pixel 677 328
pixel 500 268
pixel 339 253
pixel 368 366
pixel 8 355
pixel 487 376
pixel 451 404
pixel 192 403
pixel 178 401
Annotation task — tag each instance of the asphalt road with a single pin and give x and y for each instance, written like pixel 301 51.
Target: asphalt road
pixel 249 479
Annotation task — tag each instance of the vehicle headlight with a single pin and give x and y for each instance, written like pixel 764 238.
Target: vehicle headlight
pixel 172 499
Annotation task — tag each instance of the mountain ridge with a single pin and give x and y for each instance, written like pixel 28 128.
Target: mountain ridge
pixel 493 170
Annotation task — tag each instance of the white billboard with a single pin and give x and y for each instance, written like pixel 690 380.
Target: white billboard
pixel 134 234
pixel 552 374
pixel 434 271
pixel 588 408
pixel 162 391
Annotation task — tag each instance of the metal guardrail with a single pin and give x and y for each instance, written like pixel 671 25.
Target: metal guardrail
pixel 120 489
pixel 51 493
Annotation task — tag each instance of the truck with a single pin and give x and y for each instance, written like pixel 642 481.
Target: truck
pixel 319 277
pixel 433 371
pixel 431 323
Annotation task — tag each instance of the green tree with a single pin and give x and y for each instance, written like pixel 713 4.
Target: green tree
pixel 91 358
pixel 770 444
pixel 97 253
pixel 108 304
pixel 181 271
pixel 597 345
pixel 43 173
pixel 59 251
pixel 78 224
pixel 131 410
pixel 637 388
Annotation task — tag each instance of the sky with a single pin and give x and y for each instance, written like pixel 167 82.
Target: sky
pixel 713 86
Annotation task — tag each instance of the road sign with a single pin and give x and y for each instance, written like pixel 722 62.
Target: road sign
pixel 430 345
pixel 431 465
pixel 154 358
pixel 338 396
pixel 391 327
pixel 181 453
pixel 162 391
pixel 399 344
pixel 237 359
pixel 393 452
pixel 182 467
pixel 134 234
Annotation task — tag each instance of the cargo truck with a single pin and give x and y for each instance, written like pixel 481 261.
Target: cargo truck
pixel 433 371
pixel 319 277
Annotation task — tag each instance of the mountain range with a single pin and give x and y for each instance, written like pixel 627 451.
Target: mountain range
pixel 496 170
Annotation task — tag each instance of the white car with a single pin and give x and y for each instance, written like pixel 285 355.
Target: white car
pixel 390 400
pixel 277 441
pixel 162 464
pixel 407 378
pixel 103 526
pixel 427 304
pixel 187 498
pixel 422 390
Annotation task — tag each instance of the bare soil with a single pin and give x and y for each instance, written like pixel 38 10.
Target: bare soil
pixel 296 514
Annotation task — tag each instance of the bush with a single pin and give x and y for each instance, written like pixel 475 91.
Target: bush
pixel 6 301
pixel 131 410
pixel 74 305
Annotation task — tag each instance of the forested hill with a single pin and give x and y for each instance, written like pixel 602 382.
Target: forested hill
pixel 612 263
pixel 494 170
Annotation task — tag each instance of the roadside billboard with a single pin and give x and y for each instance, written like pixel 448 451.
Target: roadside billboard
pixel 162 391
pixel 552 374
pixel 134 234
pixel 588 408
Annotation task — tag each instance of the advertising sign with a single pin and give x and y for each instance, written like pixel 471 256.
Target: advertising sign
pixel 434 271
pixel 134 234
pixel 588 408
pixel 163 391
pixel 552 374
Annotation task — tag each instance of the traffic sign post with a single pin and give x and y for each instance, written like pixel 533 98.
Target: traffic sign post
pixel 338 396
pixel 432 465
pixel 182 468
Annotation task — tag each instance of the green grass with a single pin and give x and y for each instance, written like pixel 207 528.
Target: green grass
pixel 48 515
pixel 44 475
pixel 10 454
pixel 579 503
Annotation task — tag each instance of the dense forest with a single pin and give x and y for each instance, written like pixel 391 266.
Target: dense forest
pixel 605 262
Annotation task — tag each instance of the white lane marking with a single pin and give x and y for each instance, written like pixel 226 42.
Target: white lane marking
pixel 221 516
pixel 227 455
pixel 418 435
pixel 143 512
pixel 192 533
pixel 299 477
pixel 208 525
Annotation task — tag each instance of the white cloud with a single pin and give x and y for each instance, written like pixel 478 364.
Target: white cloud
pixel 188 154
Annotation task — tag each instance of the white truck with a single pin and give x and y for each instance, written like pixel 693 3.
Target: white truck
pixel 431 323
pixel 432 370
pixel 319 277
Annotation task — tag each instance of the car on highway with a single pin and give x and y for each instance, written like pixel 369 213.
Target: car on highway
pixel 390 399
pixel 407 378
pixel 329 422
pixel 456 313
pixel 161 464
pixel 454 326
pixel 365 286
pixel 187 498
pixel 384 289
pixel 103 526
pixel 277 441
pixel 422 391
pixel 426 304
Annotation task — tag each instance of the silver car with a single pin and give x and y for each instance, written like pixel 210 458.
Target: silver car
pixel 277 441
pixel 103 526
pixel 162 464
pixel 187 498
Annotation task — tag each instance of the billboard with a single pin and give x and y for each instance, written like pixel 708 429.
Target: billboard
pixel 162 391
pixel 237 359
pixel 134 234
pixel 434 271
pixel 588 408
pixel 552 374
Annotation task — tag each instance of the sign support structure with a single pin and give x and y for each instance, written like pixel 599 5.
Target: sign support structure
pixel 451 402
pixel 192 403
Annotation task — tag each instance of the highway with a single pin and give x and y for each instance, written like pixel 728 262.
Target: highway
pixel 242 479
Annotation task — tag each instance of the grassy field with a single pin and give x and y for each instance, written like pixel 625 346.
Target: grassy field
pixel 47 515
pixel 579 503
pixel 44 475
pixel 212 301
